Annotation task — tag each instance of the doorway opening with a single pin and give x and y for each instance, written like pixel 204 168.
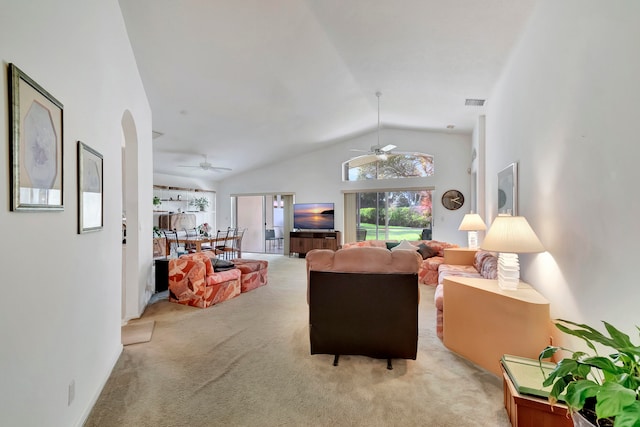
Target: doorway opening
pixel 266 221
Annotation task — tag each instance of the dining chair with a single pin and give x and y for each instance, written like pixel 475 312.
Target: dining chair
pixel 221 242
pixel 190 233
pixel 237 244
pixel 270 237
pixel 174 246
pixel 229 247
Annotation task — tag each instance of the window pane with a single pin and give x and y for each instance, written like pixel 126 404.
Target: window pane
pixel 397 215
pixel 388 166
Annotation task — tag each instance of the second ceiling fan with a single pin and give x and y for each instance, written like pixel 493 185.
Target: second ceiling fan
pixel 206 166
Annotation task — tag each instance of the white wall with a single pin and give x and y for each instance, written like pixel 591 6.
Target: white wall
pixel 566 109
pixel 61 305
pixel 316 177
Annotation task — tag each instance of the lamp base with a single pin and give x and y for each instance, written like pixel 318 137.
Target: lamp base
pixel 508 271
pixel 472 239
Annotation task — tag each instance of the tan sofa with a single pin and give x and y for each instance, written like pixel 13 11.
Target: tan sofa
pixel 428 273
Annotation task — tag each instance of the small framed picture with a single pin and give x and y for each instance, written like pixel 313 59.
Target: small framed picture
pixel 90 194
pixel 36 145
pixel 508 190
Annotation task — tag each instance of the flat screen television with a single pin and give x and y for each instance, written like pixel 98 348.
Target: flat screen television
pixel 313 216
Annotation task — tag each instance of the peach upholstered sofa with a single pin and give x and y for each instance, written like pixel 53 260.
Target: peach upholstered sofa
pixel 431 259
pixel 192 281
pixel 363 301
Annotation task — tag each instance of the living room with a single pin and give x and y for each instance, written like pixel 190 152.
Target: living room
pixel 564 108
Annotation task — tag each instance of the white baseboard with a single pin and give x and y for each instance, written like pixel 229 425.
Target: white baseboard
pixel 96 395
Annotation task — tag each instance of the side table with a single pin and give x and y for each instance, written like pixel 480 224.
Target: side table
pixel 162 274
pixel 459 256
pixel 531 411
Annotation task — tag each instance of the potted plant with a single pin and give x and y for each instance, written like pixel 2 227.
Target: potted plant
pixel 200 202
pixel 156 202
pixel 599 390
pixel 204 229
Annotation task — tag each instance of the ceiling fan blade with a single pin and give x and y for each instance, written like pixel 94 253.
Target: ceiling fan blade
pixel 388 147
pixel 218 169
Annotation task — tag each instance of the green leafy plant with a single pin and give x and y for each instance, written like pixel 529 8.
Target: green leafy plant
pixel 200 202
pixel 156 201
pixel 156 232
pixel 604 389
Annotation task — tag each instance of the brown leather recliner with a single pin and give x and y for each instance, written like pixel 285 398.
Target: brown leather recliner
pixel 363 301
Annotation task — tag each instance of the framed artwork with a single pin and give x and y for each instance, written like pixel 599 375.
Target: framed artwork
pixel 90 185
pixel 36 145
pixel 508 190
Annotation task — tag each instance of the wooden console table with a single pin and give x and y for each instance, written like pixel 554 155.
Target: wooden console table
pixel 301 242
pixel 482 322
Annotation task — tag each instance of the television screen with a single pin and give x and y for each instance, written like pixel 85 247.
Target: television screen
pixel 313 216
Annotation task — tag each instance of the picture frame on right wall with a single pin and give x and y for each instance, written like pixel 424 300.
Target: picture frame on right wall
pixel 508 190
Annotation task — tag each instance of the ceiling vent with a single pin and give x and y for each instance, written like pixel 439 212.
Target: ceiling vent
pixel 474 102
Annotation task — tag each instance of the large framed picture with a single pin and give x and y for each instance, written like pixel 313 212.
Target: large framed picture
pixel 36 145
pixel 508 190
pixel 90 194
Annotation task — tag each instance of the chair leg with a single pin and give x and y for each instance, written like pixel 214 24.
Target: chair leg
pixel 335 360
pixel 389 365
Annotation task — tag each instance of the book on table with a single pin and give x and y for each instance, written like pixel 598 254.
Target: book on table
pixel 528 375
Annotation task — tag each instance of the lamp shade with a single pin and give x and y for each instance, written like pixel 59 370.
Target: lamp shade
pixel 511 234
pixel 472 222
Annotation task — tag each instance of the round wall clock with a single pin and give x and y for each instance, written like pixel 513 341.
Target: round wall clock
pixel 452 200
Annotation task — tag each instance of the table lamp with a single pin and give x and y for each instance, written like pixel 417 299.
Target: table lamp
pixel 471 223
pixel 510 235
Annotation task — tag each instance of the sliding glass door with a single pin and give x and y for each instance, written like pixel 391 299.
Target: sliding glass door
pixel 393 215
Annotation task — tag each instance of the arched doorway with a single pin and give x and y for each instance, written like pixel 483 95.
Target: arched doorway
pixel 131 294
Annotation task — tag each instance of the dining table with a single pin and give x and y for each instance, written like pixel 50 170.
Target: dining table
pixel 198 241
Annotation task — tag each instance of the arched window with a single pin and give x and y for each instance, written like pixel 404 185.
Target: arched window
pixel 387 166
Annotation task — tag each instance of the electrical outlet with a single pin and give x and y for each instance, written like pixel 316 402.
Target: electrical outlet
pixel 72 392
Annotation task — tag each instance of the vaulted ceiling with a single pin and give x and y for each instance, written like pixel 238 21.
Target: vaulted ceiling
pixel 248 82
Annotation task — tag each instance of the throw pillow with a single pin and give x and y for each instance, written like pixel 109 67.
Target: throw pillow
pixel 426 251
pixel 404 246
pixel 221 265
pixel 391 245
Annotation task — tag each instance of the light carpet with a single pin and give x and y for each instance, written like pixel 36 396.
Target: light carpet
pixel 246 362
pixel 137 332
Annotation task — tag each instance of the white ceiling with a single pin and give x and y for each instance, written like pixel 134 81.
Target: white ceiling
pixel 248 82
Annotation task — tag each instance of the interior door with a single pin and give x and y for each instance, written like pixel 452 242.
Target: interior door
pixel 250 217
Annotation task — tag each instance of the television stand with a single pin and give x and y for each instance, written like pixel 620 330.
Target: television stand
pixel 301 242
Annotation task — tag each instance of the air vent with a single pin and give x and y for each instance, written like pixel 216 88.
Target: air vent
pixel 156 134
pixel 474 102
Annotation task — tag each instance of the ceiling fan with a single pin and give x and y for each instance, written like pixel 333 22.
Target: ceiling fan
pixel 378 150
pixel 206 166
